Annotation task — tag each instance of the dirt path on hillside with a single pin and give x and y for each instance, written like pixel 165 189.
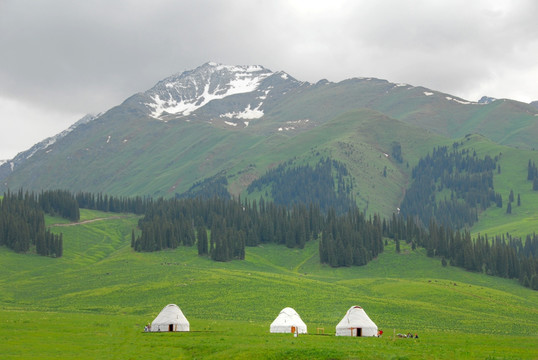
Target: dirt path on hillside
pixel 92 220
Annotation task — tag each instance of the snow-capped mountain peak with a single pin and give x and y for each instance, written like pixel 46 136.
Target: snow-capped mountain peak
pixel 182 94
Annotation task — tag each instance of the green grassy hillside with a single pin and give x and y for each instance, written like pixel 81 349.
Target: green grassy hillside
pixel 361 141
pixel 513 176
pixel 161 159
pixel 127 152
pixel 505 121
pixel 94 301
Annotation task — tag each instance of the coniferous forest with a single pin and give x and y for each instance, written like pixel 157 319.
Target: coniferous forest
pixel 503 255
pixel 466 179
pixel 215 186
pixel 61 203
pixel 344 240
pixel 328 183
pixel 347 239
pixel 221 227
pixel 232 225
pixel 22 222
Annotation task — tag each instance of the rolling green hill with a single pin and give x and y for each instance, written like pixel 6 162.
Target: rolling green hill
pixel 94 301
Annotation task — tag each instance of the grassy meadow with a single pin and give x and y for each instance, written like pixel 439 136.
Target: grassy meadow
pixel 95 300
pixel 513 176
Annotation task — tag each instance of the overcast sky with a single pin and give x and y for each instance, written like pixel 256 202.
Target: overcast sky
pixel 62 59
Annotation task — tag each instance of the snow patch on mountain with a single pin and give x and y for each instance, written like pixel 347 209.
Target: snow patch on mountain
pixel 427 93
pixel 298 122
pixel 248 113
pixel 182 95
pixel 462 101
pixel 459 101
pixel 266 92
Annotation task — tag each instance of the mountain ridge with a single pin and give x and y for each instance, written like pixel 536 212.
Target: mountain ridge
pixel 236 118
pixel 8 166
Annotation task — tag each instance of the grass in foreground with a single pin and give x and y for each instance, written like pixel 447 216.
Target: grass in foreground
pixel 94 302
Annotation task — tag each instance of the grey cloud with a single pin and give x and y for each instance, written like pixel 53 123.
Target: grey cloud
pixel 87 56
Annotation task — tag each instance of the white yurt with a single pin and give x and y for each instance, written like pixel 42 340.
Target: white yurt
pixel 170 319
pixel 286 320
pixel 356 323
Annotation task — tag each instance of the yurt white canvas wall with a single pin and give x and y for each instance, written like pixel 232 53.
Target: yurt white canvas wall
pixel 356 323
pixel 287 319
pixel 170 319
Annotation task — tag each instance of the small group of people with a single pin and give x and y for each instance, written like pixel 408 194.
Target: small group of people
pixel 408 335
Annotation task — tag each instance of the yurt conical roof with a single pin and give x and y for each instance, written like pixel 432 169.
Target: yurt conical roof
pixel 286 319
pixel 170 318
pixel 356 323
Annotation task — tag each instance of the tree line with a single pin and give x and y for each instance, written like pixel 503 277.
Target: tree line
pixel 22 223
pixel 468 181
pixel 328 183
pixel 222 228
pixel 350 239
pixel 110 203
pixel 60 203
pixel 503 256
pixel 215 186
pixel 232 225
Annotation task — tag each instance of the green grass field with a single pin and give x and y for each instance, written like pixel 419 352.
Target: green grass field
pixel 513 162
pixel 94 302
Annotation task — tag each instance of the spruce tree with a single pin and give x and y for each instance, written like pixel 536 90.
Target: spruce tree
pixel 348 256
pixel 331 251
pixel 202 240
pixel 61 246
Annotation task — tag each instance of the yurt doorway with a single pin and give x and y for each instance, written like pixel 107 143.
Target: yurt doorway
pixel 359 332
pixel 171 327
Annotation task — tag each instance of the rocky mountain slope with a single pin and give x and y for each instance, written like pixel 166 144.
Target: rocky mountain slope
pixel 242 120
